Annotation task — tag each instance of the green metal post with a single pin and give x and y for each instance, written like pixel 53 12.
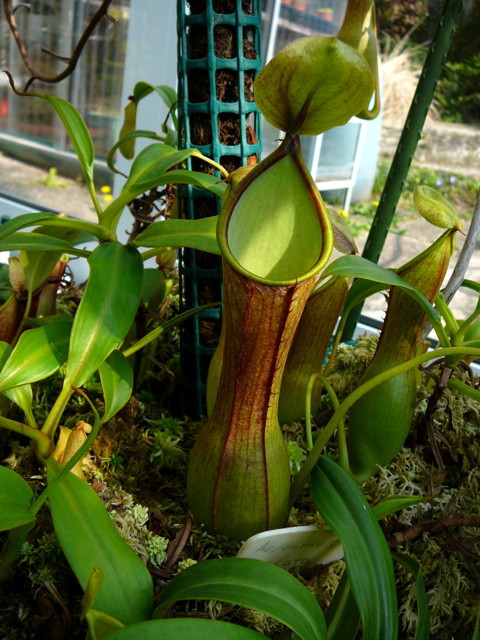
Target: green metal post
pixel 432 70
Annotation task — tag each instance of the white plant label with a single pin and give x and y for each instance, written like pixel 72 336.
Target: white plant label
pixel 294 548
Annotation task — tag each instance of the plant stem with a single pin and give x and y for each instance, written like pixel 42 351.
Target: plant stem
pixel 42 441
pixel 444 310
pixel 341 436
pixel 333 423
pixel 464 327
pixel 155 333
pixel 53 418
pixel 73 460
pixel 465 254
pixel 96 203
pixel 218 166
pixel 457 385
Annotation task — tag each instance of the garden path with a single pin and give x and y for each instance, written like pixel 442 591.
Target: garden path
pixel 445 147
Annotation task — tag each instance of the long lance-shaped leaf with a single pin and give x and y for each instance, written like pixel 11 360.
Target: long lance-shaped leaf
pixel 107 309
pixel 249 583
pixel 15 499
pixel 100 625
pixel 391 505
pixel 31 241
pixel 22 396
pixel 150 169
pixel 38 265
pixel 422 632
pixel 140 91
pixel 357 267
pixel 78 133
pixel 197 179
pixel 53 220
pixel 89 539
pixel 127 142
pixel 196 234
pixel 368 559
pixel 183 628
pixel 166 326
pixel 343 616
pixel 24 221
pixel 38 354
pixel 116 377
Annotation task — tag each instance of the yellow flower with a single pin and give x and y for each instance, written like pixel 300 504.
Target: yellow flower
pixel 343 213
pixel 107 198
pixel 106 189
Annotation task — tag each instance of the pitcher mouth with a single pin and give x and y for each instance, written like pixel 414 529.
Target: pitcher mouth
pixel 273 227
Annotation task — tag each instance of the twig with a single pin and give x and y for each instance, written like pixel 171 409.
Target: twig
pixel 465 256
pixel 177 545
pixel 432 525
pixel 72 60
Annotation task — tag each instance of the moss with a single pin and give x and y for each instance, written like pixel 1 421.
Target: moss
pixel 351 360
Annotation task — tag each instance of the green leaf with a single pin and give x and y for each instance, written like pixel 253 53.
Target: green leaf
pixel 367 555
pixel 249 583
pixel 357 267
pixel 107 308
pixel 22 396
pixel 359 291
pixel 35 242
pixel 100 625
pixel 168 94
pixel 342 616
pixel 116 377
pixel 152 279
pixel 476 631
pixel 196 234
pixel 15 499
pixel 92 228
pixel 185 628
pixel 197 179
pixel 172 322
pixel 150 169
pixel 38 353
pixel 422 631
pixel 395 503
pixel 126 142
pixel 77 132
pixel 23 221
pixel 89 540
pixel 38 265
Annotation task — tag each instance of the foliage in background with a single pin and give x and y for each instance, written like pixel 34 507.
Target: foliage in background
pixel 458 91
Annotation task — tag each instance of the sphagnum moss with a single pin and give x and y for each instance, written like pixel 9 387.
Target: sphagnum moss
pixel 451 577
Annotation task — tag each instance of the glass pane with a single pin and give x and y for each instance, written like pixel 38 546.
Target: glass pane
pixel 308 18
pixel 337 155
pixel 30 132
